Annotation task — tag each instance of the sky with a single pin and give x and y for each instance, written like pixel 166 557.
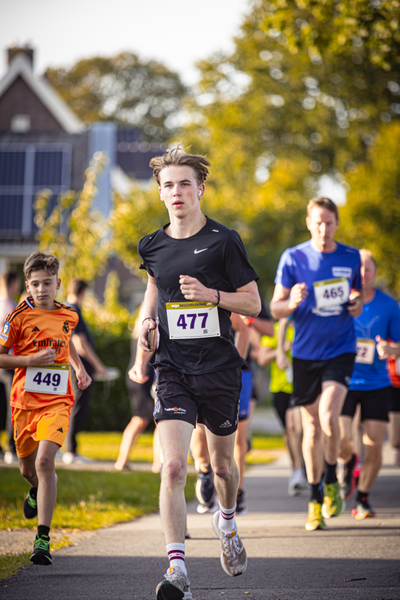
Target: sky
pixel 175 32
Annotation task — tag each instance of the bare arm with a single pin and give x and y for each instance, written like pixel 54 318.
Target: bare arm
pixel 85 349
pixel 266 356
pixel 242 335
pixel 43 358
pixel 285 301
pixel 245 301
pixel 356 303
pixel 283 346
pixel 264 326
pixel 84 380
pixel 386 349
pixel 149 322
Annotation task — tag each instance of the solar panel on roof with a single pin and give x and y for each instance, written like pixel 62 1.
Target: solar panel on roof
pixel 48 168
pixel 11 212
pixel 25 169
pixel 12 167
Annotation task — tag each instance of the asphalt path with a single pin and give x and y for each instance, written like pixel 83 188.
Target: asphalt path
pixel 351 560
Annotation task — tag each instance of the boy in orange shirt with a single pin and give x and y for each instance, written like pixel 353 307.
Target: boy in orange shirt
pixel 39 333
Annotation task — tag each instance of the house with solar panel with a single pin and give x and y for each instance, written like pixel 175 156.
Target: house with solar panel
pixel 43 144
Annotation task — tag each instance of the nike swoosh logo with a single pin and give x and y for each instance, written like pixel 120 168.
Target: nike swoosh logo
pixel 198 251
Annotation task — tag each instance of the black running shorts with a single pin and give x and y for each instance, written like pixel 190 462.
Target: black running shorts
pixel 308 376
pixel 282 404
pixel 210 398
pixel 395 402
pixel 374 404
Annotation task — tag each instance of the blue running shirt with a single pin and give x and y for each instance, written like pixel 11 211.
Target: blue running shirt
pixel 381 317
pixel 324 327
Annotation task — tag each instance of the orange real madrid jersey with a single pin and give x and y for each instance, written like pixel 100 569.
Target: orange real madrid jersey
pixel 28 330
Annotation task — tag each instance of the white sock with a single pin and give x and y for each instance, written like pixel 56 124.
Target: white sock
pixel 176 555
pixel 227 521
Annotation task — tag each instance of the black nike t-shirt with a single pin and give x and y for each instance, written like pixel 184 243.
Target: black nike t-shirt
pixel 217 258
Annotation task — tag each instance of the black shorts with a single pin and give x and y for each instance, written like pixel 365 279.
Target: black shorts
pixel 395 401
pixel 374 404
pixel 281 404
pixel 308 376
pixel 142 403
pixel 210 398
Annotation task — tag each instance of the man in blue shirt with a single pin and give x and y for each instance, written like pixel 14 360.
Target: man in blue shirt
pixel 370 387
pixel 319 282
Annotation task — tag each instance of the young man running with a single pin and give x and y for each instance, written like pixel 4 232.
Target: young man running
pixel 39 332
pixel 370 387
pixel 319 282
pixel 198 273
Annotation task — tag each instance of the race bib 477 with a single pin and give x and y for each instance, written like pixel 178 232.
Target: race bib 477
pixel 189 320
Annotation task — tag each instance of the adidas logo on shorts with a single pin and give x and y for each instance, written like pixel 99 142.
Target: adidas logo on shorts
pixel 226 424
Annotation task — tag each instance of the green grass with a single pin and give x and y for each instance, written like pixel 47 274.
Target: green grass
pixel 105 446
pixel 10 564
pixel 86 499
pixel 92 499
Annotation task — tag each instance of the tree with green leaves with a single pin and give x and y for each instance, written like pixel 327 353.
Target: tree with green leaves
pixel 371 217
pixel 71 221
pixel 125 89
pixel 296 99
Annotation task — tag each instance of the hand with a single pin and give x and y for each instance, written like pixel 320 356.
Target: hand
pixel 282 360
pixel 84 380
pixel 355 305
pixel 100 369
pixel 287 346
pixel 43 358
pixel 298 293
pixel 383 348
pixel 143 336
pixel 138 373
pixel 192 289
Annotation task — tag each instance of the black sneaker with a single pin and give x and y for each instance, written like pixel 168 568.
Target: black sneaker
pixel 41 551
pixel 241 508
pixel 30 504
pixel 348 483
pixel 205 492
pixel 362 510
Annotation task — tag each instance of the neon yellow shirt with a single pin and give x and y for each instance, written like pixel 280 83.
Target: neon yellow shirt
pixel 279 380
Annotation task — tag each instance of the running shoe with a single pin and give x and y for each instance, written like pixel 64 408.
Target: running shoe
pixel 363 510
pixel 206 493
pixel 333 505
pixel 315 520
pixel 30 504
pixel 41 551
pixel 174 586
pixel 347 476
pixel 233 555
pixel 297 482
pixel 241 508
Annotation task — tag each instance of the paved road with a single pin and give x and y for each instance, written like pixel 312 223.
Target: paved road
pixel 351 560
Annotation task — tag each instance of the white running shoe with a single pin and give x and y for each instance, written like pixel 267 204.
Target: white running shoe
pixel 297 482
pixel 174 586
pixel 233 555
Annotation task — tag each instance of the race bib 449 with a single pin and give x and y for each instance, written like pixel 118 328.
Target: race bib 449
pixel 47 380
